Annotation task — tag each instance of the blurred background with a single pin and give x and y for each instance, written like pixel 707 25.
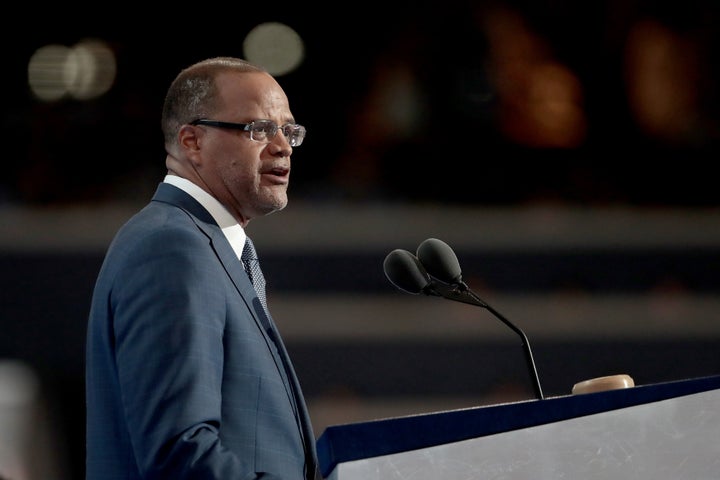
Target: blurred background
pixel 563 149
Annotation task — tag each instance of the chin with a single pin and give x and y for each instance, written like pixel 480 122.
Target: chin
pixel 275 204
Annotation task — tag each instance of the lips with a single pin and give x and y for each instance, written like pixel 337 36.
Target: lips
pixel 279 173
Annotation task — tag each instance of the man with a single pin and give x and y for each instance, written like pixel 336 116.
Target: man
pixel 187 376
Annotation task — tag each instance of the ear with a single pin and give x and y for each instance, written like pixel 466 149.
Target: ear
pixel 190 141
pixel 189 138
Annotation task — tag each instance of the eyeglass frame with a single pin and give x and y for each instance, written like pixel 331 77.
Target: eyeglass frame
pixel 248 127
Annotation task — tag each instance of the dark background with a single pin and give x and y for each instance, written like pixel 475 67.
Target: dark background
pixel 460 152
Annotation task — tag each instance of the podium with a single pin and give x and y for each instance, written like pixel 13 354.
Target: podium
pixel 663 430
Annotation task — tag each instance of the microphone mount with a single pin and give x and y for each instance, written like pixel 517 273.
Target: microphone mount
pixel 409 274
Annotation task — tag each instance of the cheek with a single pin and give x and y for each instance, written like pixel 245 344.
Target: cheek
pixel 245 167
pixel 241 174
pixel 240 165
pixel 245 158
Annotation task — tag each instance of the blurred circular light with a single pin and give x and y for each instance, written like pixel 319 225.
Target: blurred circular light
pixel 85 71
pixel 275 46
pixel 90 70
pixel 46 72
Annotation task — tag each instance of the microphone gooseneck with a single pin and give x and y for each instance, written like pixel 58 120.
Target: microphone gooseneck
pixel 436 271
pixel 525 342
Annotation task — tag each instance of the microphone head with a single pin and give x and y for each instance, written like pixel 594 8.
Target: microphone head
pixel 404 270
pixel 439 260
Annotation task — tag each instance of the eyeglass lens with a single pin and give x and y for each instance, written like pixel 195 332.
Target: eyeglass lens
pixel 265 130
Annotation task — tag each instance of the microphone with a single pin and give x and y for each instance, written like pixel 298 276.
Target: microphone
pixel 404 270
pixel 436 271
pixel 440 260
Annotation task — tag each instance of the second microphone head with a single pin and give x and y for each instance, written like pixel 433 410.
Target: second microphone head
pixel 440 260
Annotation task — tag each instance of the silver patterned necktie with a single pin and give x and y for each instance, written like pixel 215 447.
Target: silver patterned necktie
pixel 252 267
pixel 251 263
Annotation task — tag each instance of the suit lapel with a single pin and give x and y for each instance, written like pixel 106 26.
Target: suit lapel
pixel 232 265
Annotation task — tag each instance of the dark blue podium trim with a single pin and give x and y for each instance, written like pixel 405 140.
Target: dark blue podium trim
pixel 344 443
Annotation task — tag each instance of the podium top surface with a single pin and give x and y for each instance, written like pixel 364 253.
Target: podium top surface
pixel 356 441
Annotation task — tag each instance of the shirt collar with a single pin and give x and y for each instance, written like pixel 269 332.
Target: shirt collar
pixel 229 226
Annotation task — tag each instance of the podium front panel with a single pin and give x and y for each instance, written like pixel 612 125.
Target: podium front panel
pixel 675 437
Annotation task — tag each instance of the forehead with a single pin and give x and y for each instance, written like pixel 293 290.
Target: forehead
pixel 254 94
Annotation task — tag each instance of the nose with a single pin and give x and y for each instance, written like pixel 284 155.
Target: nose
pixel 280 145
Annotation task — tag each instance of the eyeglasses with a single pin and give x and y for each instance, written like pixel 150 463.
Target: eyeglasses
pixel 261 130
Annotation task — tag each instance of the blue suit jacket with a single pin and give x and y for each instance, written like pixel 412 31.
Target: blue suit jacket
pixel 186 377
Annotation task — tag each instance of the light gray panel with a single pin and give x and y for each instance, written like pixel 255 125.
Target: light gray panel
pixel 672 439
